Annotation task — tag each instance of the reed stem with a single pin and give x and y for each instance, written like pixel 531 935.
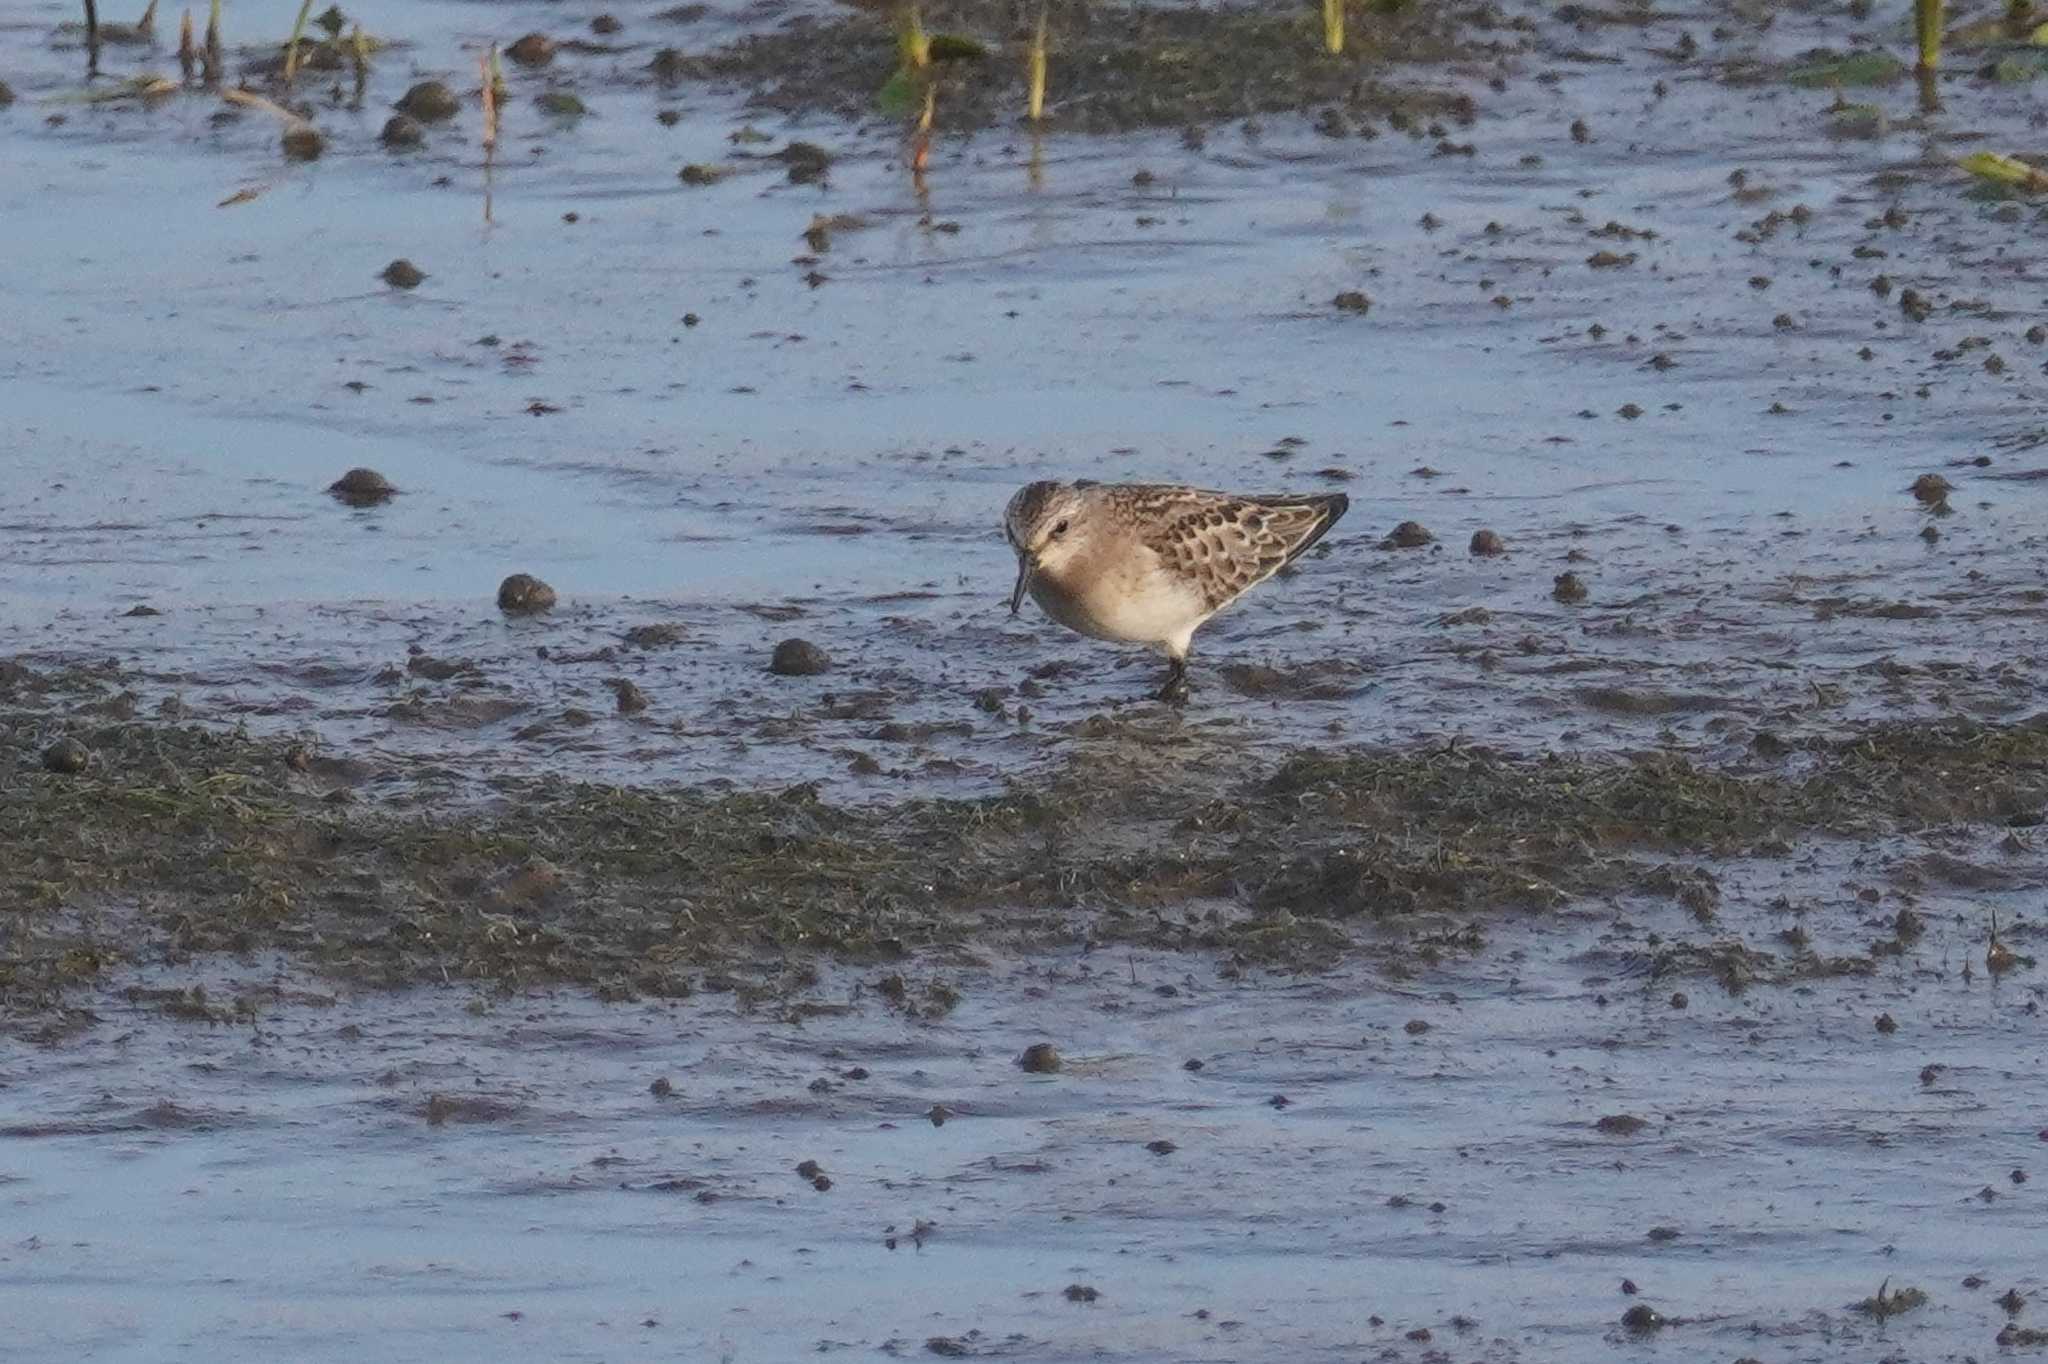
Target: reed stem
pixel 913 44
pixel 1333 26
pixel 291 50
pixel 212 58
pixel 489 66
pixel 1035 100
pixel 1927 27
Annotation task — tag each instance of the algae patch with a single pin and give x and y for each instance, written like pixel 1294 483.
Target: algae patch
pixel 181 839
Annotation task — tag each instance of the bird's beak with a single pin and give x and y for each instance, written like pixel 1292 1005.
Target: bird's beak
pixel 1026 566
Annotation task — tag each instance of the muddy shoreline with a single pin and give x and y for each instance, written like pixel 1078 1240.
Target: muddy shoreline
pixel 142 839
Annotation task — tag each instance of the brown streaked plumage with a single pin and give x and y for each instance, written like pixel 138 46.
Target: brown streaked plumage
pixel 1148 563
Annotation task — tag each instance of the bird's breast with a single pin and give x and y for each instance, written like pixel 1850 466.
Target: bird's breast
pixel 1133 603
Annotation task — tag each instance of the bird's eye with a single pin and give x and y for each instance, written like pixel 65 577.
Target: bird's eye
pixel 1059 528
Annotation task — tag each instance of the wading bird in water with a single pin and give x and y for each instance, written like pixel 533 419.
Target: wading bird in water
pixel 1148 563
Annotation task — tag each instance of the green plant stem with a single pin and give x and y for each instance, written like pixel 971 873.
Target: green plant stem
pixel 1927 27
pixel 291 51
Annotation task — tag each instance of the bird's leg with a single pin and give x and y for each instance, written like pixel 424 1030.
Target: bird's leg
pixel 1175 690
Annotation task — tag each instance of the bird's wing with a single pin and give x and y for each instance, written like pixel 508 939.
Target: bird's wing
pixel 1229 544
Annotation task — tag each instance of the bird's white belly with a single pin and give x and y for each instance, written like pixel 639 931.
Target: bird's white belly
pixel 1144 608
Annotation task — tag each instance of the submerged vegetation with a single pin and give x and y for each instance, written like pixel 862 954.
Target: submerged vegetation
pixel 163 838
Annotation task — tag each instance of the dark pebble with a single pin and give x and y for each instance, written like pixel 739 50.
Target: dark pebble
pixel 402 274
pixel 67 756
pixel 605 23
pixel 1487 543
pixel 1040 1058
pixel 661 1088
pixel 362 488
pixel 429 102
pixel 1568 587
pixel 1080 1292
pixel 1410 535
pixel 402 131
pixel 303 142
pixel 534 49
pixel 1352 301
pixel 1642 1319
pixel 799 658
pixel 1932 488
pixel 524 594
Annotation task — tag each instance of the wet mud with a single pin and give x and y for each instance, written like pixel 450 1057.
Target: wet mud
pixel 520 797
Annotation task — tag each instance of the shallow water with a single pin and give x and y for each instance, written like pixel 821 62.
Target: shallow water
pixel 830 461
pixel 1431 1158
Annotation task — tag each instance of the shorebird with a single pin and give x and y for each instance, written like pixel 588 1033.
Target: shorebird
pixel 1147 563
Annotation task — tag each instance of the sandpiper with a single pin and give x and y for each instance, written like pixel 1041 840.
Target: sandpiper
pixel 1149 563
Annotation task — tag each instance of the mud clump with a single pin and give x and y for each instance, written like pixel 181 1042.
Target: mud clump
pixel 402 132
pixel 1885 1304
pixel 6 94
pixel 1080 1292
pixel 67 757
pixel 362 487
pixel 799 658
pixel 303 142
pixel 534 49
pixel 702 173
pixel 1352 301
pixel 604 25
pixel 429 102
pixel 631 700
pixel 1040 1058
pixel 522 594
pixel 1569 588
pixel 1408 535
pixel 1487 544
pixel 659 636
pixel 561 104
pixel 1642 1320
pixel 1620 1125
pixel 807 162
pixel 402 274
pixel 1931 489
